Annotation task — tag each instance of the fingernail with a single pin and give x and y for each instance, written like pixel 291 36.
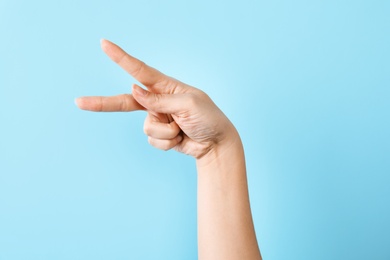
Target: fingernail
pixel 77 101
pixel 140 91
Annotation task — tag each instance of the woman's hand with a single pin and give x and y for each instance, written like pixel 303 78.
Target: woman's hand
pixel 186 119
pixel 179 116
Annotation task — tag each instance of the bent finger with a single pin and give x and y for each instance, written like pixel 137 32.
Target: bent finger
pixel 160 130
pixel 165 144
pixel 119 103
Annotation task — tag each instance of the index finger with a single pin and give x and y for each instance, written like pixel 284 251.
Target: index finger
pixel 145 74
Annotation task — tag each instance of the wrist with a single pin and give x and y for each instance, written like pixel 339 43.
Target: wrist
pixel 225 152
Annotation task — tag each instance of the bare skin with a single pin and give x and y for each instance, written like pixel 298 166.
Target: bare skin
pixel 185 119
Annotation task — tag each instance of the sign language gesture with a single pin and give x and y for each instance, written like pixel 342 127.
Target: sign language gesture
pixel 179 116
pixel 186 119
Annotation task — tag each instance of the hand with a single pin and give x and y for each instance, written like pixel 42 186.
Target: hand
pixel 186 119
pixel 179 116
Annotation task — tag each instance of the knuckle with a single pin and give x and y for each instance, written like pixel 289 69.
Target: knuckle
pixel 146 129
pixel 191 99
pixel 148 125
pixel 166 146
pixel 100 105
pixel 151 141
pixel 195 98
pixel 139 68
pixel 121 59
pixel 122 105
pixel 173 129
pixel 157 98
pixel 157 104
pixel 125 102
pixel 203 95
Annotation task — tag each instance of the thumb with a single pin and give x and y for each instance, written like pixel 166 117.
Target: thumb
pixel 160 103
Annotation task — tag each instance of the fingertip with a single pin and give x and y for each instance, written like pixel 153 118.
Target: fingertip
pixel 86 103
pixel 112 50
pixel 138 91
pixel 108 47
pixel 79 102
pixel 104 43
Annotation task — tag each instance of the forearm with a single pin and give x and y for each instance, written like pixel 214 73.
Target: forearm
pixel 225 222
pixel 225 226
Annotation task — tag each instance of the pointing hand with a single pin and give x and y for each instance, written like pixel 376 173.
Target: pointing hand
pixel 178 116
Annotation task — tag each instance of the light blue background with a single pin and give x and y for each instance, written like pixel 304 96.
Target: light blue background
pixel 305 82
